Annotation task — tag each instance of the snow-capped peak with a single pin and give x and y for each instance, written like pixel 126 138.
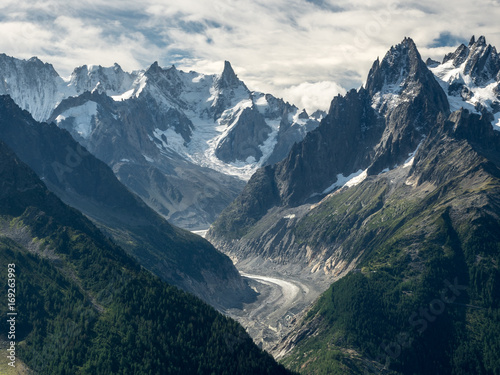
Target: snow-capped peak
pixel 110 80
pixel 35 86
pixel 228 79
pixel 470 77
pixel 394 79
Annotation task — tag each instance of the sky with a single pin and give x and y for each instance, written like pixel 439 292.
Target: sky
pixel 306 51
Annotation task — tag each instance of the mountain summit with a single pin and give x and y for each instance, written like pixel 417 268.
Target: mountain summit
pixel 401 63
pixel 470 77
pixel 228 78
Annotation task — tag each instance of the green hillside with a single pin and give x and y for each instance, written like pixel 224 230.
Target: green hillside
pixel 85 307
pixel 425 298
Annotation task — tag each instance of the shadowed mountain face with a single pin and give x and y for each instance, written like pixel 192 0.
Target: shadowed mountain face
pixel 89 185
pixel 83 306
pixel 424 238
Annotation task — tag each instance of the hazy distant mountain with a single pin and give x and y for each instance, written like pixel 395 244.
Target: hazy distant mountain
pixel 184 142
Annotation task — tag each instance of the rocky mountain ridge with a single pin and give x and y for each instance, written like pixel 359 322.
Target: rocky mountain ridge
pixel 161 130
pixel 390 198
pixel 413 231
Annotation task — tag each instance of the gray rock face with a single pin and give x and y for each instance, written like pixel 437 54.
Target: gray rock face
pixel 244 139
pixel 226 87
pixel 35 86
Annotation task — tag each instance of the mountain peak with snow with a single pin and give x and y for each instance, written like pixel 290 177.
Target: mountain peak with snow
pixel 470 77
pixel 401 76
pixel 183 141
pixel 479 60
pixel 112 80
pixel 400 62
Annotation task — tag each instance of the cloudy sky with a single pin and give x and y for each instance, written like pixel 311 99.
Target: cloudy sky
pixel 303 50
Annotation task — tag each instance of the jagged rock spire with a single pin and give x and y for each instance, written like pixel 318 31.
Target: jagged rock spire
pixel 398 63
pixel 154 68
pixel 228 78
pixel 482 62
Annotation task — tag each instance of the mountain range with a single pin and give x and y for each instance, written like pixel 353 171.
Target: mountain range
pixel 89 185
pixel 367 132
pixel 388 203
pixel 393 202
pixel 184 142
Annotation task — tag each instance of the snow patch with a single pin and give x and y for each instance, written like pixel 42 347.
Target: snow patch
pixel 411 157
pixel 389 96
pixel 385 170
pixel 496 122
pixel 170 140
pixel 126 95
pixel 84 117
pixel 291 216
pixel 148 159
pixel 261 103
pixel 141 84
pixel 352 180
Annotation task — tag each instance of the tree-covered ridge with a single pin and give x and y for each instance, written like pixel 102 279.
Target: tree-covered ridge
pixel 85 307
pixel 425 297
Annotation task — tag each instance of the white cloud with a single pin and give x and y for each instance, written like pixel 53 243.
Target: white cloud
pixel 312 96
pixel 274 45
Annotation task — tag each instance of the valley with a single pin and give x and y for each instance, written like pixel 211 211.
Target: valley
pixel 278 307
